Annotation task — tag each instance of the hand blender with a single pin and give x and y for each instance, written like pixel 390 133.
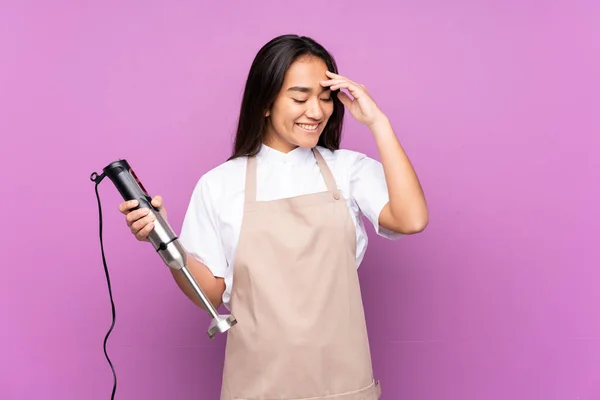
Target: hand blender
pixel 163 239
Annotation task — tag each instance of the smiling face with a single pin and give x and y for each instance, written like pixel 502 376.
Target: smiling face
pixel 302 107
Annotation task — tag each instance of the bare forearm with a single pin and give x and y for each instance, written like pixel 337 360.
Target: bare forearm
pixel 211 286
pixel 407 210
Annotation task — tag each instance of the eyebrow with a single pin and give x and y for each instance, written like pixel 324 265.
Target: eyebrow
pixel 304 89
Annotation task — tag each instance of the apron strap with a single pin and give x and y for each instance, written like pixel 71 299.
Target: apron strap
pixel 251 180
pixel 325 171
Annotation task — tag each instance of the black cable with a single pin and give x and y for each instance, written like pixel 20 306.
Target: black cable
pixel 97 179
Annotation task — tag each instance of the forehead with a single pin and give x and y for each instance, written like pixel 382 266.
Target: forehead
pixel 305 72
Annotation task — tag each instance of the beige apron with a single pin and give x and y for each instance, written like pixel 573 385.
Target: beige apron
pixel 301 330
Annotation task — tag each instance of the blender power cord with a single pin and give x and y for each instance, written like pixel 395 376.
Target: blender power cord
pixel 97 179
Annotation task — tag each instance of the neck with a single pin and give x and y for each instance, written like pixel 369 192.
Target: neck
pixel 276 143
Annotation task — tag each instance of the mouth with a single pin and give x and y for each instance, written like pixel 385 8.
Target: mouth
pixel 312 128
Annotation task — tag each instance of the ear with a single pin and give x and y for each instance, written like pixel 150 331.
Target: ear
pixel 267 113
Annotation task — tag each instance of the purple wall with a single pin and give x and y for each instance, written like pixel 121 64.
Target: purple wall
pixel 496 103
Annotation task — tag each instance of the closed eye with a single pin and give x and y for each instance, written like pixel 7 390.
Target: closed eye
pixel 304 101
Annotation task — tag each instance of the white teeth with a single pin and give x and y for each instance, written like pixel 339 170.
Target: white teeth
pixel 308 127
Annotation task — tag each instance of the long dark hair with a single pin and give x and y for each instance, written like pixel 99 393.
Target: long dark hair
pixel 263 85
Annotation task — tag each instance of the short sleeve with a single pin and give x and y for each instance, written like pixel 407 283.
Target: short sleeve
pixel 199 232
pixel 369 189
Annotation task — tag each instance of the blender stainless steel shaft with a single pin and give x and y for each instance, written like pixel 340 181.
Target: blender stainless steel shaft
pixel 174 256
pixel 164 240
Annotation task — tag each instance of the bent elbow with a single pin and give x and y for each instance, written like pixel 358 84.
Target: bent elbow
pixel 418 227
pixel 415 226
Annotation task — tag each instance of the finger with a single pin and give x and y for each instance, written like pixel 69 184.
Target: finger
pixel 342 78
pixel 136 215
pixel 127 205
pixel 342 83
pixel 354 89
pixel 140 224
pixel 332 82
pixel 157 202
pixel 142 234
pixel 334 75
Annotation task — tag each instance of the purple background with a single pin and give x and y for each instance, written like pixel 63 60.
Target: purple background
pixel 495 102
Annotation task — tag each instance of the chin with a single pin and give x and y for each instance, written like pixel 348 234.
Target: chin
pixel 308 143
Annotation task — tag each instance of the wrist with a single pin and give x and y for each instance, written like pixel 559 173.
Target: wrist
pixel 380 124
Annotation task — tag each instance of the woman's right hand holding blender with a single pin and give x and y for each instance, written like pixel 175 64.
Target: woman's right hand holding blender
pixel 141 221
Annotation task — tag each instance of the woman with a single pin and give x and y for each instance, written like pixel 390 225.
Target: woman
pixel 275 233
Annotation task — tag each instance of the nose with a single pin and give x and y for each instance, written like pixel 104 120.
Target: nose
pixel 314 110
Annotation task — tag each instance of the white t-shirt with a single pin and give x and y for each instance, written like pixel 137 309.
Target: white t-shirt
pixel 211 226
